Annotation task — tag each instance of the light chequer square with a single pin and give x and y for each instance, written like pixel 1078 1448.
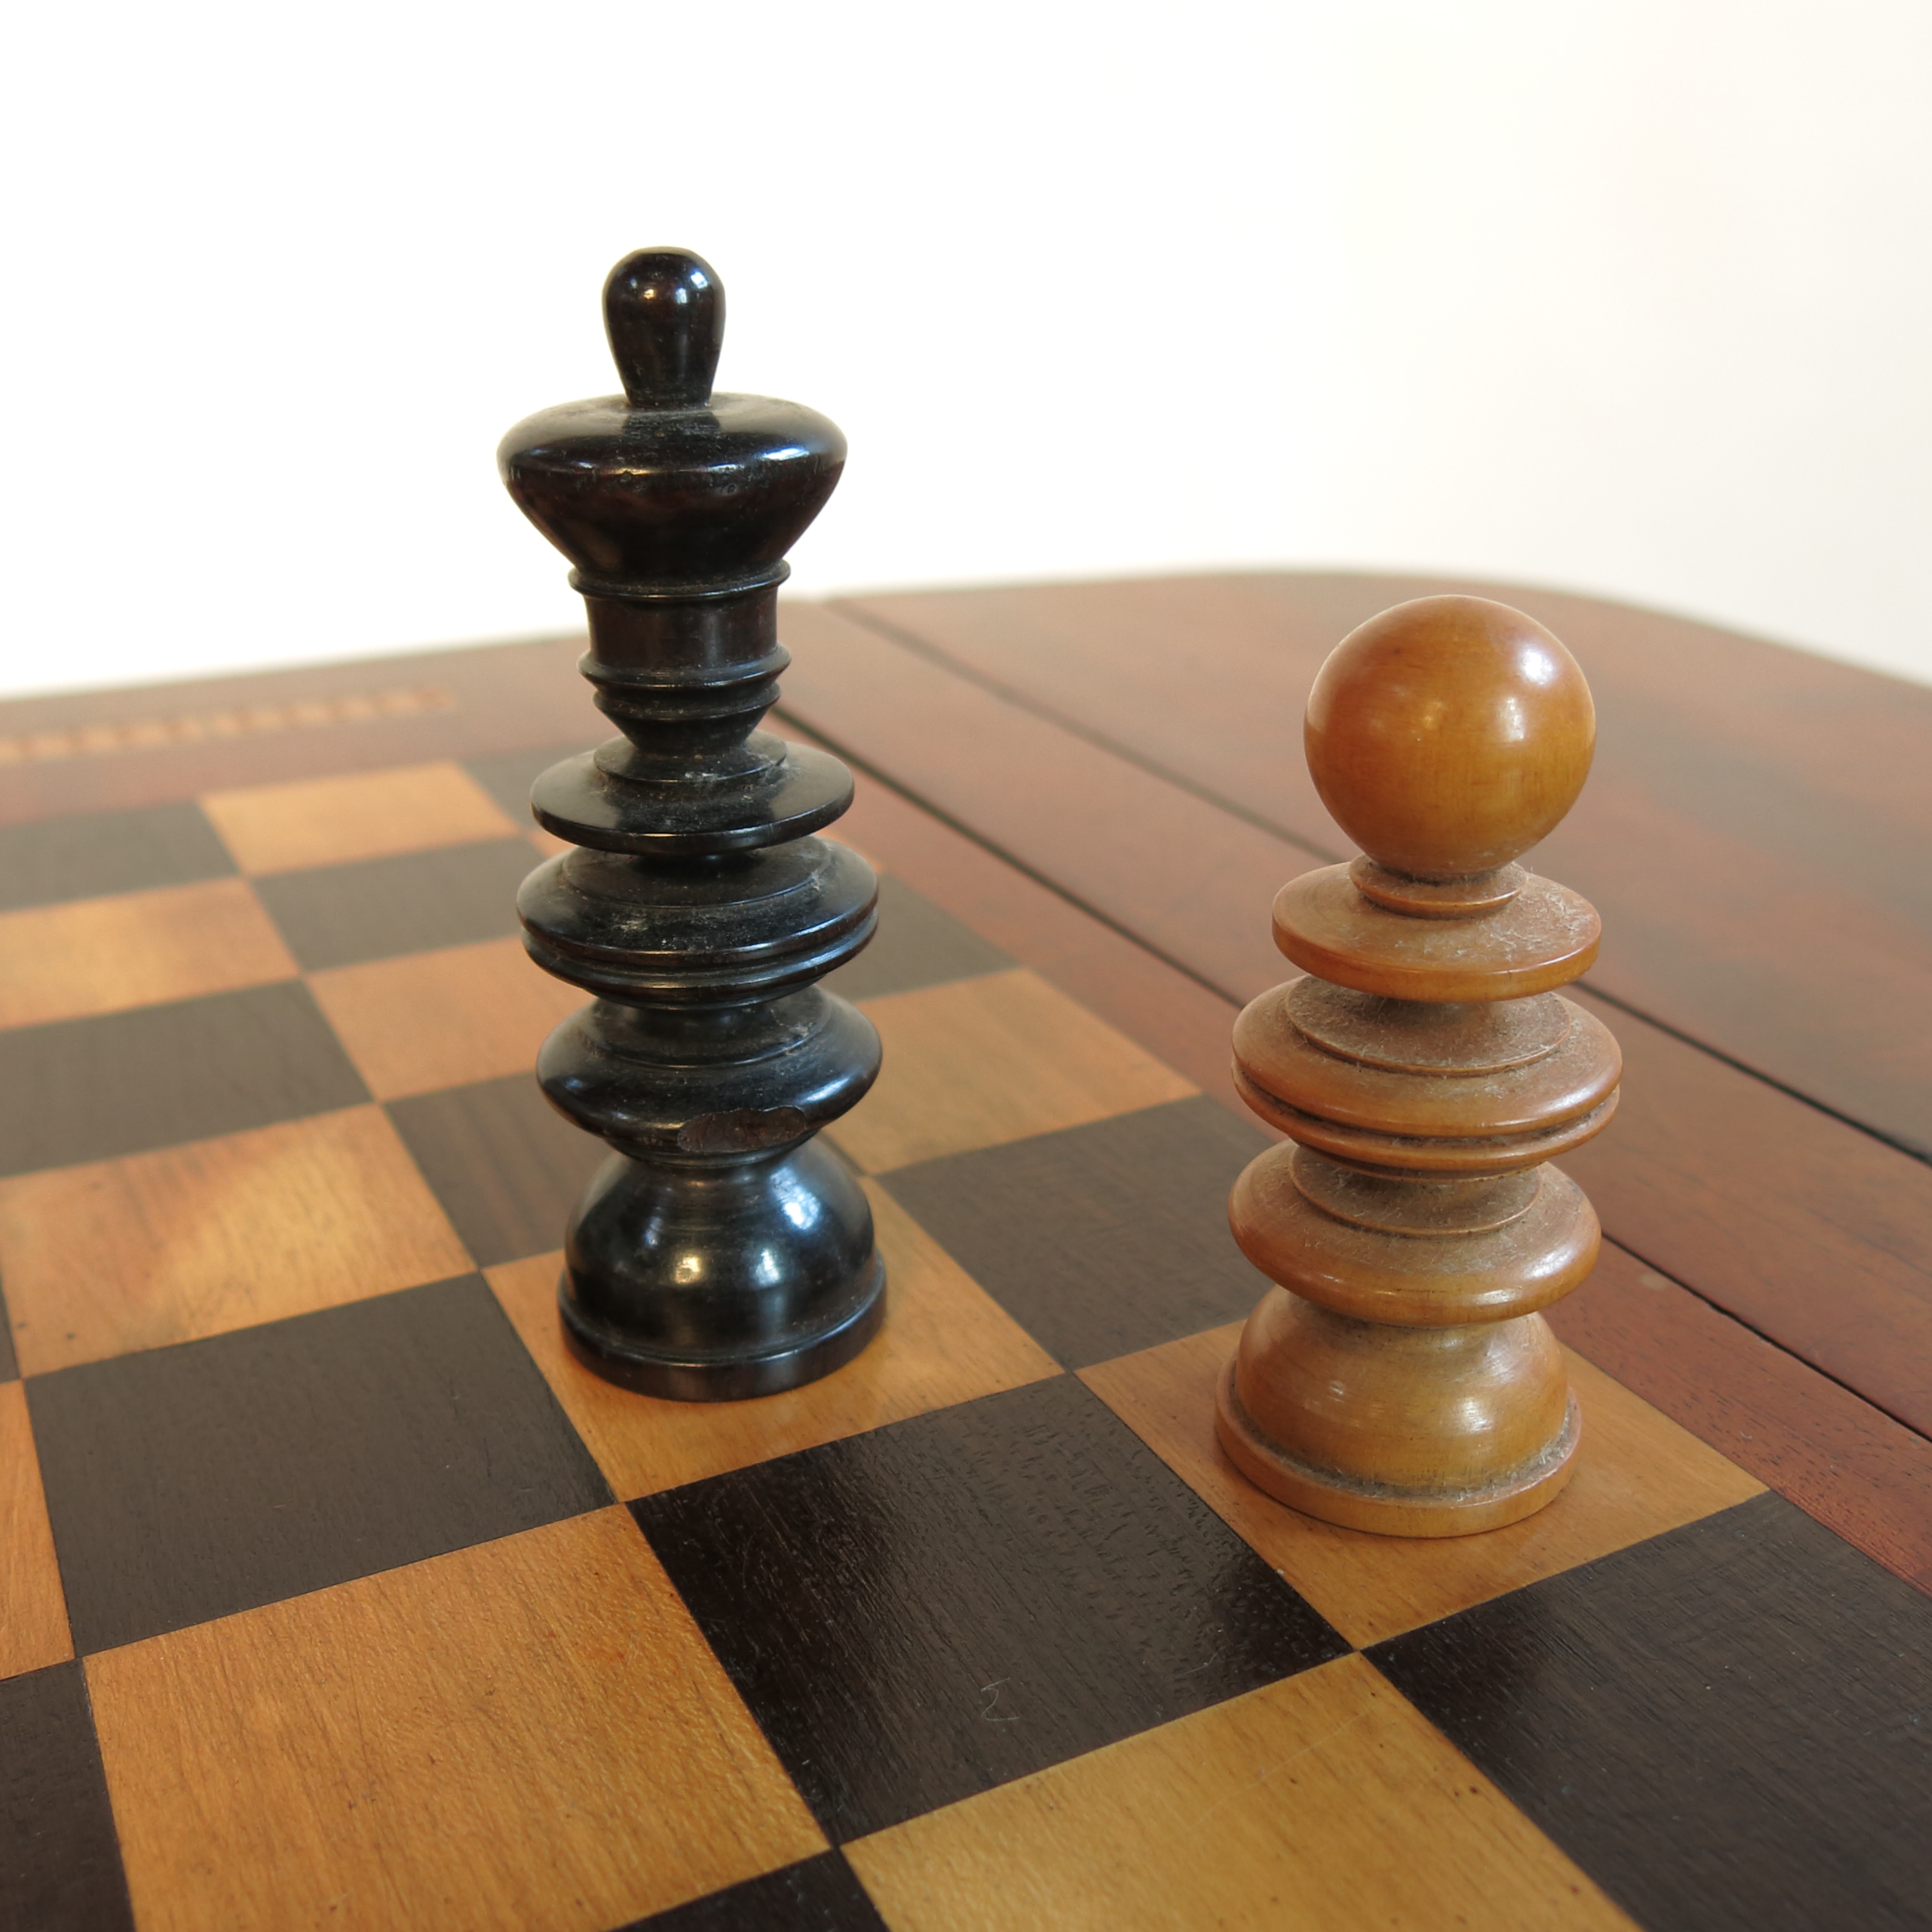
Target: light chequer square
pixel 430 1020
pixel 1323 1803
pixel 105 956
pixel 1638 1475
pixel 33 1612
pixel 217 1235
pixel 279 828
pixel 977 1062
pixel 527 1735
pixel 945 1341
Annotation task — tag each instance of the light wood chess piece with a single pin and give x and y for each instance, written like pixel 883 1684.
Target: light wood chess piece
pixel 1426 1070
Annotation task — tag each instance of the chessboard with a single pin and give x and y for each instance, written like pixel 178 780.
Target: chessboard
pixel 333 1590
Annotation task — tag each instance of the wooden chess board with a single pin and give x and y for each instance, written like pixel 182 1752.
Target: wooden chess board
pixel 332 1592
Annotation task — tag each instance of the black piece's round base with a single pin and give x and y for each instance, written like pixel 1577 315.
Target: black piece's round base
pixel 724 1377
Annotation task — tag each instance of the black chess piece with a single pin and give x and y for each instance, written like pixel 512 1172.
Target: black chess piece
pixel 721 1252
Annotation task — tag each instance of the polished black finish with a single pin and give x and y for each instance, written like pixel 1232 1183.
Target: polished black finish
pixel 115 1083
pixel 917 1614
pixel 821 1895
pixel 1101 1240
pixel 718 1254
pixel 665 367
pixel 189 1483
pixel 1727 1727
pixel 60 1865
pixel 684 1278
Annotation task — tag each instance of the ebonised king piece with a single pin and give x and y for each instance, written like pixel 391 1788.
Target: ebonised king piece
pixel 720 1252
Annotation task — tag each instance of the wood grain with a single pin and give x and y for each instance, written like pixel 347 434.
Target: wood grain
pixel 1276 1810
pixel 407 902
pixel 33 1611
pixel 921 1612
pixel 1175 1017
pixel 1542 938
pixel 159 1248
pixel 1755 1200
pixel 443 1019
pixel 103 956
pixel 62 1866
pixel 114 1084
pixel 1447 735
pixel 1841 1460
pixel 1741 791
pixel 1402 1381
pixel 818 1894
pixel 503 696
pixel 1845 1462
pixel 95 853
pixel 1155 860
pixel 507 1168
pixel 1380 1427
pixel 1700 1183
pixel 1637 1474
pixel 978 1062
pixel 1764 772
pixel 328 821
pixel 1755 716
pixel 1103 1239
pixel 945 1341
pixel 1711 1723
pixel 917 943
pixel 191 1483
pixel 530 1735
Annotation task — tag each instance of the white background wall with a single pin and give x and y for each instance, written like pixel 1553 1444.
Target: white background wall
pixel 1632 297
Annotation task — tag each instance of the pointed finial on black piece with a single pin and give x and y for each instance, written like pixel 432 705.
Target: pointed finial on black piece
pixel 673 484
pixel 664 311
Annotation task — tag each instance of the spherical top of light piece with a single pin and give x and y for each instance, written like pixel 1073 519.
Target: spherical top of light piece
pixel 1449 734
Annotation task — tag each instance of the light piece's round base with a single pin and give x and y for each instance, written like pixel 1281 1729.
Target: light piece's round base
pixel 722 1379
pixel 1380 1507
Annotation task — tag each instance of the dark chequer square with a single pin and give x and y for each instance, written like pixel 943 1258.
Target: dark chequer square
pixel 917 944
pixel 917 1614
pixel 90 855
pixel 819 1894
pixel 506 1166
pixel 1099 1240
pixel 121 1083
pixel 1728 1727
pixel 409 902
pixel 189 1482
pixel 60 1865
pixel 507 776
